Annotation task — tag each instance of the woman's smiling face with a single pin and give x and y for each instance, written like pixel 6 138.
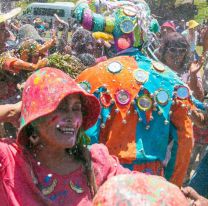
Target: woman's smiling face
pixel 60 128
pixel 174 57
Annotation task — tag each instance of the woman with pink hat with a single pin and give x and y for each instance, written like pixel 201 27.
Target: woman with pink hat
pixel 49 163
pixel 167 28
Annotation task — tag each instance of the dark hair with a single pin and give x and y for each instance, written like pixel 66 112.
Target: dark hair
pixel 80 39
pixel 80 153
pixel 87 59
pixel 175 39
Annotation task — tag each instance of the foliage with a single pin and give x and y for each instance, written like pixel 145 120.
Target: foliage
pixel 67 63
pixel 202 10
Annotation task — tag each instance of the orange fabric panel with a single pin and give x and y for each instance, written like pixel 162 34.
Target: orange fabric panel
pixel 120 138
pixel 156 168
pixel 100 76
pixel 185 141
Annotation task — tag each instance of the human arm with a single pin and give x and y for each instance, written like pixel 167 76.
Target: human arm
pixel 194 198
pixel 15 65
pixel 199 118
pixel 13 26
pixel 195 82
pixel 10 113
pixel 42 49
pixel 64 35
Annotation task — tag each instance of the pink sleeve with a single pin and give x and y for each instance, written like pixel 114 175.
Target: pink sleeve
pixel 4 162
pixel 101 59
pixel 104 164
pixel 3 157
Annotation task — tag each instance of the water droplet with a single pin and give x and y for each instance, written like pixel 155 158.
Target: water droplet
pixel 50 175
pixel 102 125
pixel 116 110
pixel 189 113
pixel 147 127
pixel 183 105
pixel 166 122
pixel 124 121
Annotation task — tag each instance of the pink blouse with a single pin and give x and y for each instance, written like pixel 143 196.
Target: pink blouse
pixel 18 189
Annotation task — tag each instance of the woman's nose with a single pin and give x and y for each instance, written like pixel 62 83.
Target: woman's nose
pixel 68 117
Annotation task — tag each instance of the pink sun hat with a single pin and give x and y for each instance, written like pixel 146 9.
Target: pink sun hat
pixel 43 92
pixel 169 24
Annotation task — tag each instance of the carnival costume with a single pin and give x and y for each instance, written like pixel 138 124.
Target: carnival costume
pixel 144 118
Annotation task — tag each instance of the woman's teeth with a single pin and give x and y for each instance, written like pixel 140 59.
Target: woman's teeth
pixel 66 130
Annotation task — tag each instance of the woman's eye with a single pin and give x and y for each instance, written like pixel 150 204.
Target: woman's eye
pixel 77 108
pixel 62 107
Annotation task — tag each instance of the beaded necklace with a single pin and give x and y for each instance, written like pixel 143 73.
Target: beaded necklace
pixel 49 189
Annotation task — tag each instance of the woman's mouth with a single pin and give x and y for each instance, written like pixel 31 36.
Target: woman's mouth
pixel 66 130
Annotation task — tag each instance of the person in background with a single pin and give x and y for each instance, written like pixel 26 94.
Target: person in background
pixel 195 198
pixel 3 37
pixel 175 53
pixel 10 113
pixel 181 26
pixel 199 180
pixel 191 35
pixel 167 27
pixel 39 25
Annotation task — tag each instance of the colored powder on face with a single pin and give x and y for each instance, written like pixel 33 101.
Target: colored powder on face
pixel 53 119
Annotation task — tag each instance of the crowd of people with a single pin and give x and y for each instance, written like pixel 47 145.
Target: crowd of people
pixel 107 108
